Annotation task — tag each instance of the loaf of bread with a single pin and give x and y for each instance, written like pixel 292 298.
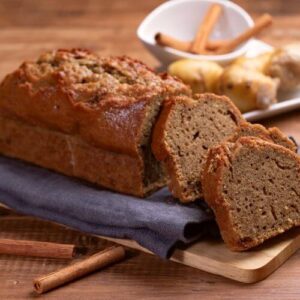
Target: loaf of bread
pixel 253 187
pixel 86 116
pixel 186 129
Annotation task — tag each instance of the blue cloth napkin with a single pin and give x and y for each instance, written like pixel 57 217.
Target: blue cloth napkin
pixel 158 223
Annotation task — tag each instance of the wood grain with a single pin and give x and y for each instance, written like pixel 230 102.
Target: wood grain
pixel 108 26
pixel 213 256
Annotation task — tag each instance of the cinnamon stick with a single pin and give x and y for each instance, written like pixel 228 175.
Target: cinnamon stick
pixel 77 270
pixel 34 248
pixel 199 44
pixel 166 40
pixel 263 22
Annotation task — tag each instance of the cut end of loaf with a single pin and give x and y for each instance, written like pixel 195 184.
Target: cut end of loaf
pixel 253 186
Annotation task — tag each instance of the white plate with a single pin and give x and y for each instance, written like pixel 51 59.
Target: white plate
pixel 286 102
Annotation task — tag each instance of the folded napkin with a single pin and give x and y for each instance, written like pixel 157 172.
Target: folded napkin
pixel 157 223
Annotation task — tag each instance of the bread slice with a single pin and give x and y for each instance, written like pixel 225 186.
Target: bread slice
pixel 273 135
pixel 253 187
pixel 186 129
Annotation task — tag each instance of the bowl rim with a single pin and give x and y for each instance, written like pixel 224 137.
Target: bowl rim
pixel 222 57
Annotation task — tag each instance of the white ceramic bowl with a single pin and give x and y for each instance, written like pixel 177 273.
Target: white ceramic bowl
pixel 181 19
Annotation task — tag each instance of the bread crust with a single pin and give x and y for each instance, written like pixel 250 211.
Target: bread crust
pixel 218 161
pixel 279 138
pixel 272 135
pixel 109 116
pixel 72 156
pixel 159 148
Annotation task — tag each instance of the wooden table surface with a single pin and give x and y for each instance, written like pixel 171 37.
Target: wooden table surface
pixel 31 26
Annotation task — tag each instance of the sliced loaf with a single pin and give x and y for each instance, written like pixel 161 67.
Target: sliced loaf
pixel 107 104
pixel 253 187
pixel 186 129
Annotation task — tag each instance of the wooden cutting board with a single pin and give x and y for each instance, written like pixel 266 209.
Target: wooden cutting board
pixel 248 267
pixel 214 257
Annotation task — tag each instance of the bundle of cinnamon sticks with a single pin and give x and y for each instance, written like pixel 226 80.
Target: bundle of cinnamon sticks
pixel 201 43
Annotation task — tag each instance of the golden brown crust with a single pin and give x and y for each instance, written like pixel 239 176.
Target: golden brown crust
pixel 218 161
pixel 71 156
pixel 211 180
pixel 159 147
pixel 279 138
pixel 103 99
pixel 273 135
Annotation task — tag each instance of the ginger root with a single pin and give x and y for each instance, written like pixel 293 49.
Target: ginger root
pixel 202 76
pixel 251 83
